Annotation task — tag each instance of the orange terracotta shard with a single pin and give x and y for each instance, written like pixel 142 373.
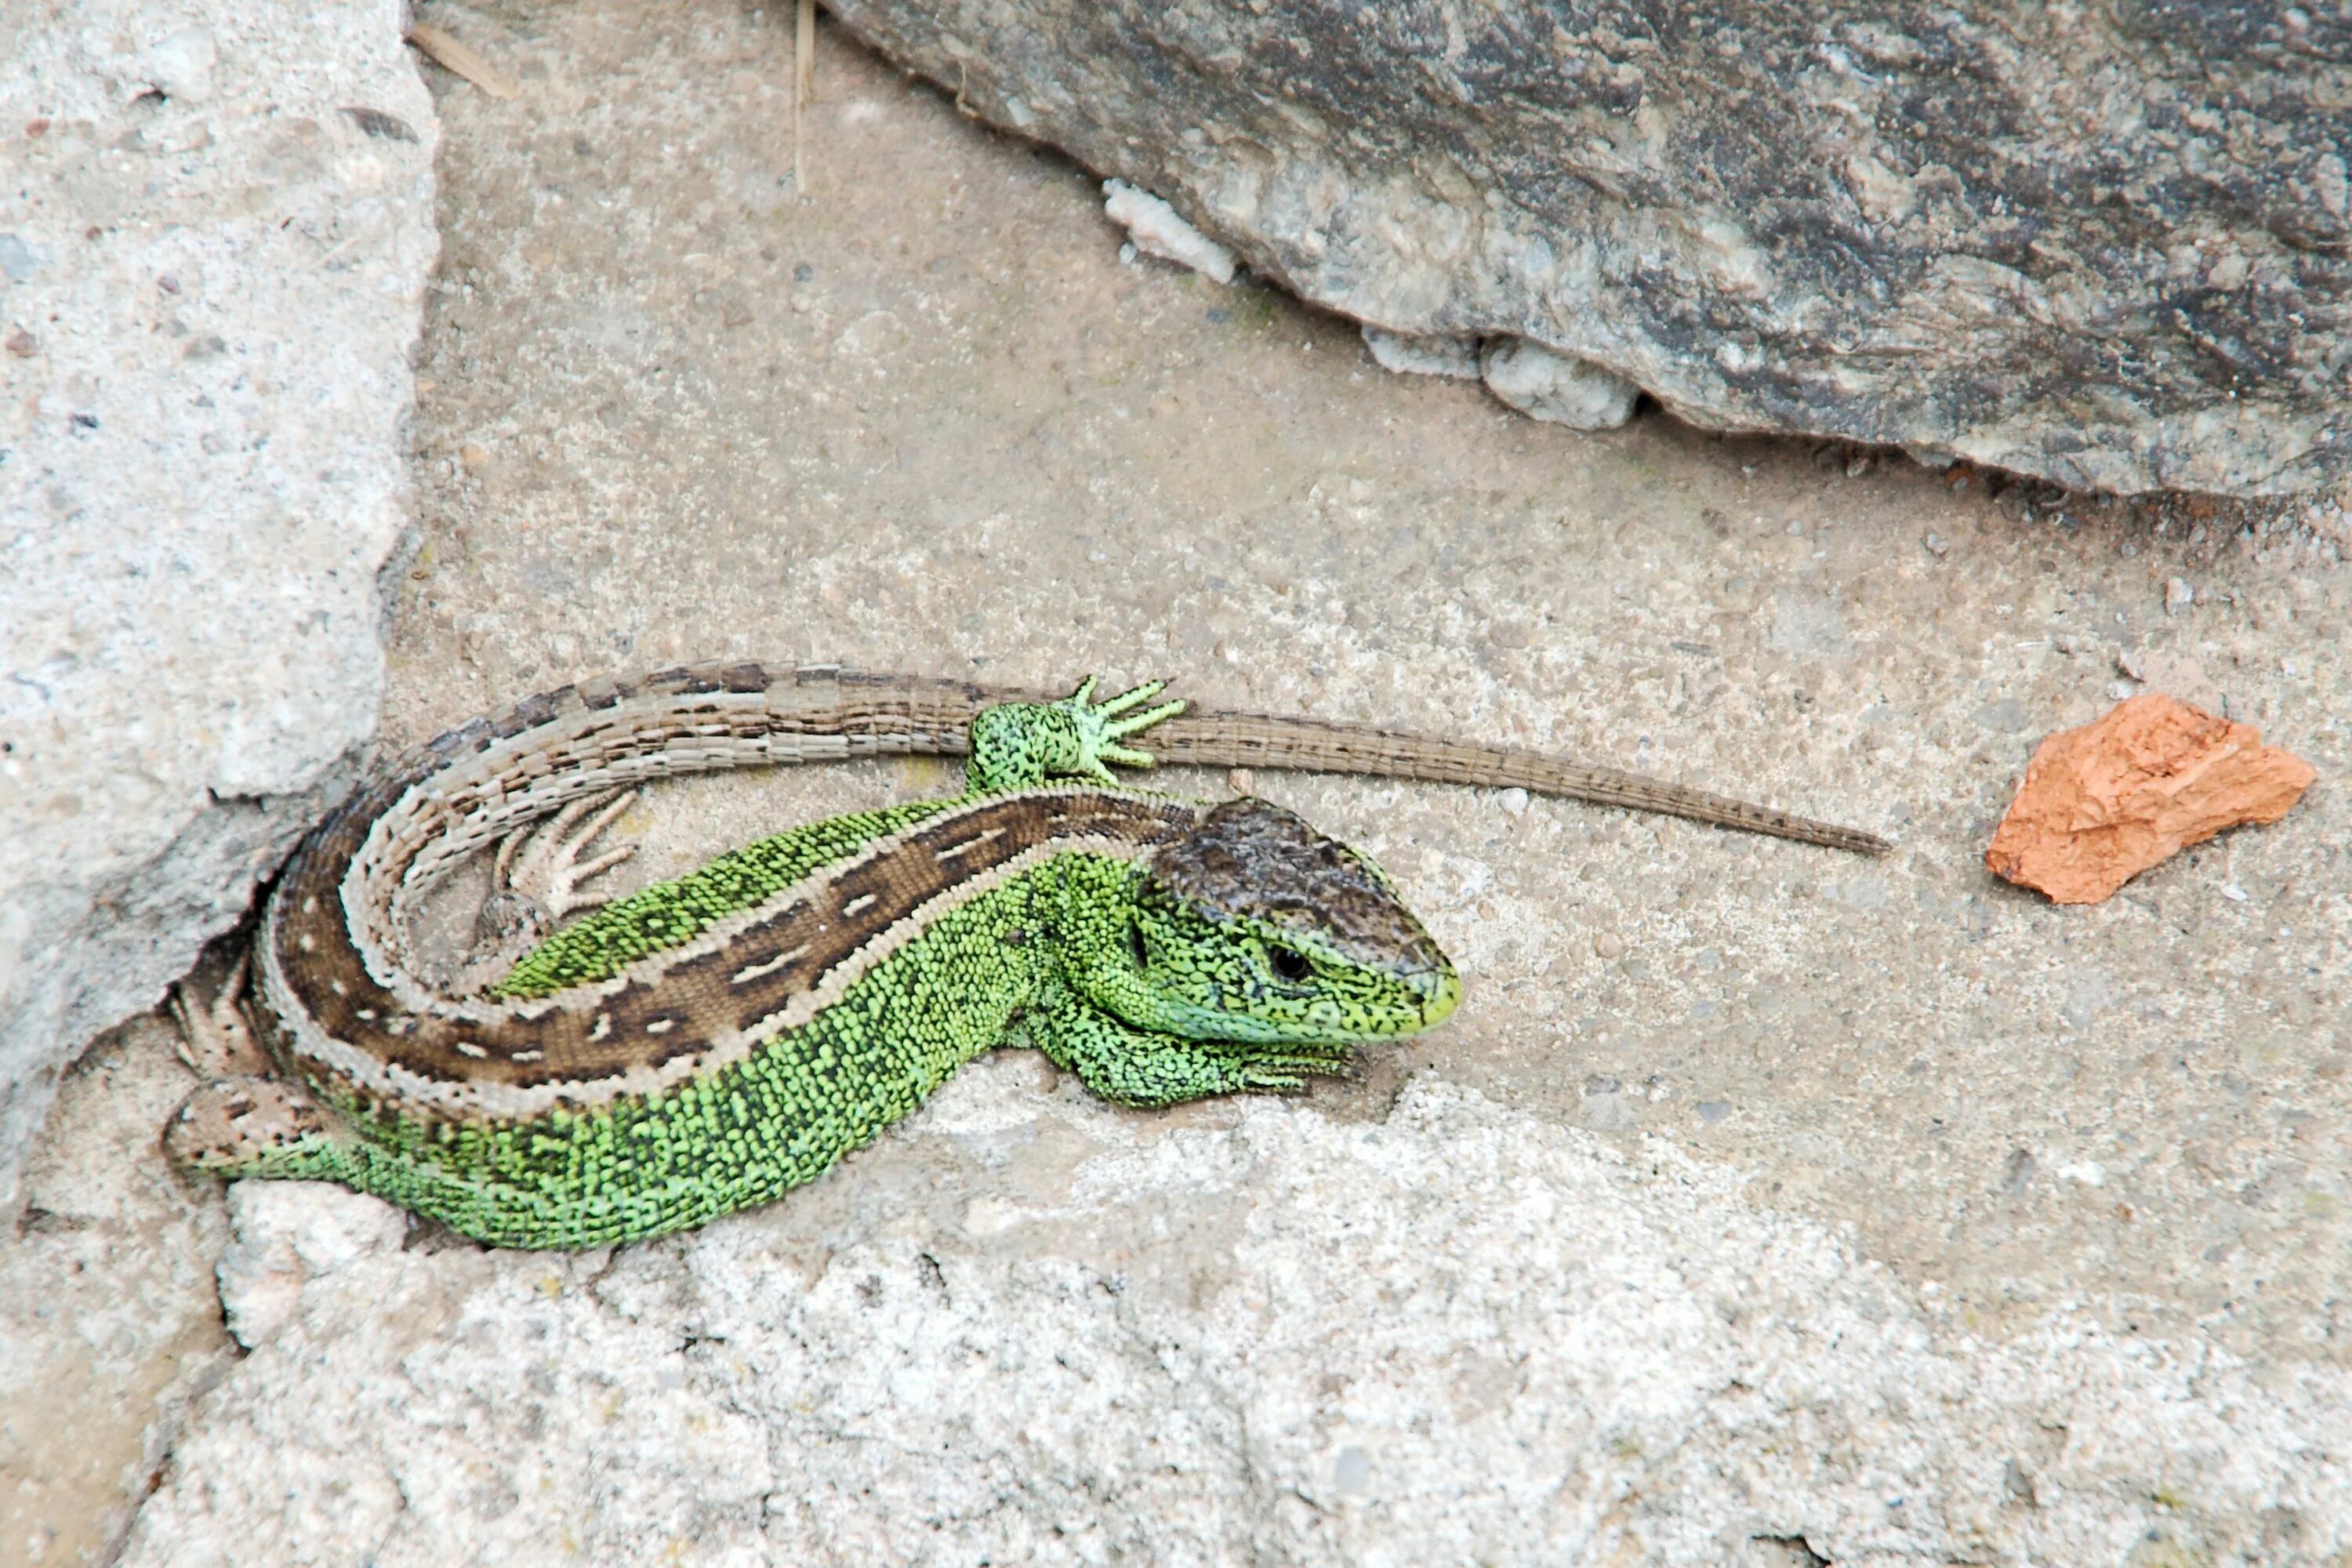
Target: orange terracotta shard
pixel 2102 803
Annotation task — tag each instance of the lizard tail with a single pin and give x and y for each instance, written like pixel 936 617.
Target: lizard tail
pixel 1205 737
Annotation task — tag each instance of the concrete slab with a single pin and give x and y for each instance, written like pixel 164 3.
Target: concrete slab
pixel 214 228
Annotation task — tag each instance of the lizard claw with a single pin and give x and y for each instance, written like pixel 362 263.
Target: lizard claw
pixel 1125 699
pixel 1019 745
pixel 542 863
pixel 1101 725
pixel 535 881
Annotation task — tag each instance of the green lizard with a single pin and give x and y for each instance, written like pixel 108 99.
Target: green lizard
pixel 709 1043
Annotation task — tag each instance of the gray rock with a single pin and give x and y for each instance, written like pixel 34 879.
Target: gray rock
pixel 1456 359
pixel 1154 228
pixel 1030 1328
pixel 2106 245
pixel 213 281
pixel 1555 388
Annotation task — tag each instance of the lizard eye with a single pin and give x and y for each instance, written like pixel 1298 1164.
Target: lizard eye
pixel 1288 962
pixel 1135 945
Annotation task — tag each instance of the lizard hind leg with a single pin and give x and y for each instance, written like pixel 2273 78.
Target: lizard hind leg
pixel 240 1122
pixel 535 881
pixel 235 1127
pixel 217 1039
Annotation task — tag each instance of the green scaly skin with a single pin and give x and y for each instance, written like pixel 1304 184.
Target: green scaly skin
pixel 1146 1001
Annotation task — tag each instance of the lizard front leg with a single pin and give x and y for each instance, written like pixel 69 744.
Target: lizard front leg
pixel 1019 745
pixel 1129 1066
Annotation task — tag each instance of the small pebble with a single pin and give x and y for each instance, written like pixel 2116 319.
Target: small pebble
pixel 2177 596
pixel 1609 944
pixel 1936 545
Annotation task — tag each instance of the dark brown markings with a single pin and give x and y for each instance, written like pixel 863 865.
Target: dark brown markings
pixel 1253 859
pixel 679 1010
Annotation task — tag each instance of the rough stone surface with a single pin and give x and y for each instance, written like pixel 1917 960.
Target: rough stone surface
pixel 2103 244
pixel 214 228
pixel 1456 359
pixel 110 1318
pixel 1554 388
pixel 284 1235
pixel 1459 1336
pixel 2101 803
pixel 1155 229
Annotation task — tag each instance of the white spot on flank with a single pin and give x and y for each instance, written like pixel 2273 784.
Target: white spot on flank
pixel 970 844
pixel 528 1056
pixel 859 902
pixel 751 971
pixel 467 1048
pixel 661 1026
pixel 604 1027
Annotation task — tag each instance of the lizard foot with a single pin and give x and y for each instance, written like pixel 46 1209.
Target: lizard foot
pixel 248 1126
pixel 216 1038
pixel 535 882
pixel 1102 725
pixel 1018 745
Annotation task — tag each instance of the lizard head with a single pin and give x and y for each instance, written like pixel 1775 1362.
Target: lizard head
pixel 1254 927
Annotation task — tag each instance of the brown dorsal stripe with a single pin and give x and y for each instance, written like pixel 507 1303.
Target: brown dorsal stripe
pixel 739 977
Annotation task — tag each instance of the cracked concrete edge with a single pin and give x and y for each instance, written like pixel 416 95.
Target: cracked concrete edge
pixel 1418 1328
pixel 216 254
